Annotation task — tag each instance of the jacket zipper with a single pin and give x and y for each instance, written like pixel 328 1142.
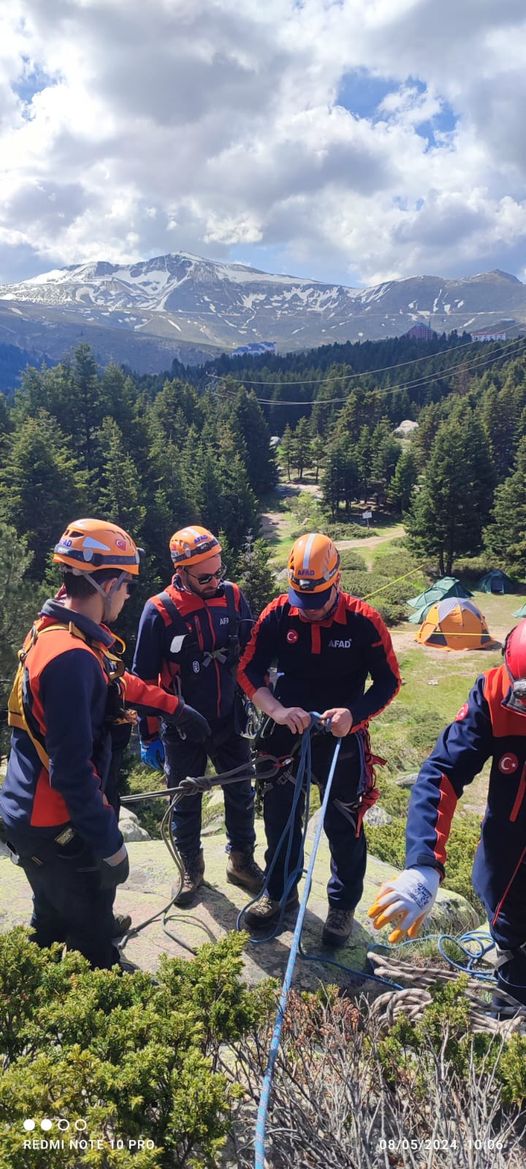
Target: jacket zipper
pixel 521 790
pixel 508 887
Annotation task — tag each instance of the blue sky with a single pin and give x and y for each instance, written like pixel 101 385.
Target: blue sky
pixel 351 142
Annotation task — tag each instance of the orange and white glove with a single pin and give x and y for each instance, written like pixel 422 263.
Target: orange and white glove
pixel 405 902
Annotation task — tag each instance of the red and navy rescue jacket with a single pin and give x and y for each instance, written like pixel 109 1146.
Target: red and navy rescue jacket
pixel 325 663
pixel 191 646
pixel 66 690
pixel 486 726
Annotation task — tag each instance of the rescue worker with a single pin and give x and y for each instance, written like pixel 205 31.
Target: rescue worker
pixel 325 643
pixel 189 640
pixel 70 688
pixel 491 724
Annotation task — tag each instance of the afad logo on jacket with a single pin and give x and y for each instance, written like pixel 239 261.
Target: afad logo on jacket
pixel 340 643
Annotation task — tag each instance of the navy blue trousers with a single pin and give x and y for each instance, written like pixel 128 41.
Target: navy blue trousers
pixel 348 851
pixel 226 750
pixel 69 904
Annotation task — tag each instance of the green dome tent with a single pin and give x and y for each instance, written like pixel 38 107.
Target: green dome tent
pixel 495 581
pixel 448 586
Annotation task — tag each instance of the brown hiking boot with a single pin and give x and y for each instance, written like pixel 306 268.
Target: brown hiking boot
pixel 194 871
pixel 244 871
pixel 121 924
pixel 267 910
pixel 338 926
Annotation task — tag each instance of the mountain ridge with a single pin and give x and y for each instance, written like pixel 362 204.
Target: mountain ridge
pixel 181 305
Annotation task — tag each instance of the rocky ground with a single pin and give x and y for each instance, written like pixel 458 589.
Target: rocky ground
pixel 149 888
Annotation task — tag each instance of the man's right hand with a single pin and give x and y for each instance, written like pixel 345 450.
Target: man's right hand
pixel 405 902
pixel 294 717
pixel 152 754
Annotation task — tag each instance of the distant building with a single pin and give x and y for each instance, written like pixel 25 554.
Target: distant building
pixel 253 348
pixel 420 333
pixel 406 428
pixel 492 333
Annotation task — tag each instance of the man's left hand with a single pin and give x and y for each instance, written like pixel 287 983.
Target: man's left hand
pixel 339 719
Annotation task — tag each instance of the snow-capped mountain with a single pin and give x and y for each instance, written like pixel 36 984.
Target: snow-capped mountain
pixel 185 306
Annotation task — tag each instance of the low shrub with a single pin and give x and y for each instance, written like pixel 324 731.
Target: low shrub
pixel 133 1060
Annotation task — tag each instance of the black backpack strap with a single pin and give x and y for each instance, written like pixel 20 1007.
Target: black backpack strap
pixel 232 613
pixel 171 609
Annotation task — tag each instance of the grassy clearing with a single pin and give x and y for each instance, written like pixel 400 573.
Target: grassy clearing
pixel 435 686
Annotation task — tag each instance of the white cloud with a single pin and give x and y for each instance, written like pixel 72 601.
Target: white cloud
pixel 211 126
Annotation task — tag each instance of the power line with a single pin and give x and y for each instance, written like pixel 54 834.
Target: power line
pixel 411 385
pixel 365 373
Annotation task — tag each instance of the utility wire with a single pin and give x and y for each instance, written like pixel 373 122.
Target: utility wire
pixel 367 372
pixel 230 392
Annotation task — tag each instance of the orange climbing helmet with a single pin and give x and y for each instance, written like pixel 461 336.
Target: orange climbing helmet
pixel 90 545
pixel 314 567
pixel 192 544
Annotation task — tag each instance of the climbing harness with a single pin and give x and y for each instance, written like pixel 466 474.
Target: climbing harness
pixel 18 709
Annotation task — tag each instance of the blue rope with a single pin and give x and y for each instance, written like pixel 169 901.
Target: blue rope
pixel 274 1046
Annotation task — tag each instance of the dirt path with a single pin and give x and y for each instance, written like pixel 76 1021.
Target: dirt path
pixel 371 541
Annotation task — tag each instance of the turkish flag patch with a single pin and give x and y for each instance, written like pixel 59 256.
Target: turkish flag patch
pixel 293 636
pixel 508 763
pixel 461 713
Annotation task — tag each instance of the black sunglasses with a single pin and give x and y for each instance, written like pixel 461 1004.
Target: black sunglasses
pixel 204 580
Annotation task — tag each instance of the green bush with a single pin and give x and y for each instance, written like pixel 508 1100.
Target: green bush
pixel 134 1060
pixel 444 1030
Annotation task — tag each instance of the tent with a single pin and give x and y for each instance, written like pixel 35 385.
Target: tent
pixel 495 581
pixel 455 623
pixel 448 586
pixel 520 612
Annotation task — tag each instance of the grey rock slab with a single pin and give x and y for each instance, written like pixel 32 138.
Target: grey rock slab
pixel 148 890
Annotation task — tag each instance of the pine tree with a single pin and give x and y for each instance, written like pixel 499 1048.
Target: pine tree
pixel 286 452
pixel 302 447
pixel 41 487
pixel 505 535
pixel 118 490
pixel 402 484
pixel 450 510
pixel 246 418
pixel 254 575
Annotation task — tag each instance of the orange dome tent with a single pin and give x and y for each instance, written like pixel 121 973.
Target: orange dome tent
pixel 455 623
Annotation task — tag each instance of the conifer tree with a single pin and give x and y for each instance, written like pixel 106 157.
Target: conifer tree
pixel 41 487
pixel 451 507
pixel 505 535
pixel 119 492
pixel 403 482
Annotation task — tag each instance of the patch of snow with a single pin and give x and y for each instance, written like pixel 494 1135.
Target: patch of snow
pixel 174 323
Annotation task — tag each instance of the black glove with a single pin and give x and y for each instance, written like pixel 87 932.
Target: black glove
pixel 114 870
pixel 190 724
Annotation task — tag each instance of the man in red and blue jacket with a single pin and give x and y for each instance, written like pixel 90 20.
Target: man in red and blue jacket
pixel 70 689
pixel 491 724
pixel 325 644
pixel 189 641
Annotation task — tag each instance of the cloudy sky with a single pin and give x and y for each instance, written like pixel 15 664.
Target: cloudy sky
pixel 349 141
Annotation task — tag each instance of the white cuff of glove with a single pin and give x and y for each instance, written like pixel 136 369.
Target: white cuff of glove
pixel 116 858
pixel 409 897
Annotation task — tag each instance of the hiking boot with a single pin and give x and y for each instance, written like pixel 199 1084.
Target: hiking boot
pixel 194 871
pixel 338 926
pixel 121 924
pixel 267 910
pixel 244 871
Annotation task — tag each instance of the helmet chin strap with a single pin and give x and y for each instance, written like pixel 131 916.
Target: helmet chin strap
pixel 106 596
